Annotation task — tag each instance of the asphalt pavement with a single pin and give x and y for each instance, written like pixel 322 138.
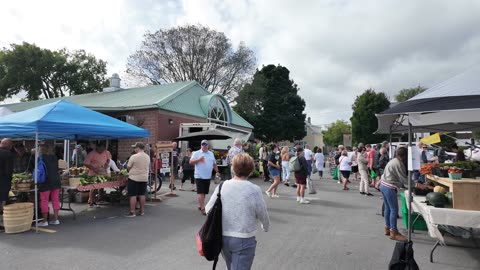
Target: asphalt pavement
pixel 338 230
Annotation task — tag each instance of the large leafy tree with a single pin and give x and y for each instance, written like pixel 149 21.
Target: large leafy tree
pixel 334 134
pixel 272 105
pixel 408 93
pixel 364 122
pixel 45 74
pixel 193 52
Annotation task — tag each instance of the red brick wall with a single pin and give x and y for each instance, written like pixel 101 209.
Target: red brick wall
pixel 157 122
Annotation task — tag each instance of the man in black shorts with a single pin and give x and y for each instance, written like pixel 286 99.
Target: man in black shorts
pixel 138 170
pixel 205 163
pixel 6 170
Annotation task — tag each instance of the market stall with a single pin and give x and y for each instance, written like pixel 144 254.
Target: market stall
pixel 437 217
pixel 68 121
pixel 453 105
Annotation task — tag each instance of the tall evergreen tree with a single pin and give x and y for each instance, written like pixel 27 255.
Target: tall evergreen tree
pixel 364 122
pixel 272 105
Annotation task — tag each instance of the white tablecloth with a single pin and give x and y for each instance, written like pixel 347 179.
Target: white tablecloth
pixel 444 216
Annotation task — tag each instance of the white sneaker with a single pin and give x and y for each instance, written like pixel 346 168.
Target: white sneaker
pixel 43 224
pixel 339 182
pixel 268 194
pixel 275 196
pixel 304 202
pixel 55 222
pixel 298 200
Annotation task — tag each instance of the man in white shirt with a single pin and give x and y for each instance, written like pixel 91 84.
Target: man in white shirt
pixel 205 163
pixel 138 168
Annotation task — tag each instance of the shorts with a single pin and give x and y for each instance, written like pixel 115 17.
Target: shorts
pixel 203 185
pixel 345 174
pixel 188 175
pixel 354 169
pixel 5 186
pixel 300 180
pixel 136 188
pixel 274 172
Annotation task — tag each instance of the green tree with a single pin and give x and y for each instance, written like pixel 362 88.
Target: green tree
pixel 364 122
pixel 408 93
pixel 272 105
pixel 334 134
pixel 45 74
pixel 193 52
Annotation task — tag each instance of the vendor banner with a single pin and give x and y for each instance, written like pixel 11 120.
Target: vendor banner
pixel 432 139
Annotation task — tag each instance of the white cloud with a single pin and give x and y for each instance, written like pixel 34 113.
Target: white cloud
pixel 334 49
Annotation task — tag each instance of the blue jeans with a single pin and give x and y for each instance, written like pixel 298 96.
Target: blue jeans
pixel 391 206
pixel 239 252
pixel 309 165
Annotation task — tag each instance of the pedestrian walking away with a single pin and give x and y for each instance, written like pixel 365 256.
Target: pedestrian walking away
pixel 363 170
pixel 301 174
pixel 263 157
pixel 50 189
pixel 285 165
pixel 274 170
pixel 345 168
pixel 337 161
pixel 138 169
pixel 355 163
pixel 205 163
pixel 188 170
pixel 320 162
pixel 243 207
pixel 232 152
pixel 395 177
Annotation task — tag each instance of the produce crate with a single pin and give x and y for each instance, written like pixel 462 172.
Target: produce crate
pixel 420 224
pixel 81 197
pixel 455 176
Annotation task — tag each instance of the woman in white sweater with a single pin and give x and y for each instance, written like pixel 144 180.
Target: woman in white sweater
pixel 242 207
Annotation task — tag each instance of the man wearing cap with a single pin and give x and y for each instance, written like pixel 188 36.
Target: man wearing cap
pixel 138 168
pixel 23 160
pixel 205 163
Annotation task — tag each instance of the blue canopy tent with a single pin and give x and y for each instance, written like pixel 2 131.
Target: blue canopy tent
pixel 65 120
pixel 68 121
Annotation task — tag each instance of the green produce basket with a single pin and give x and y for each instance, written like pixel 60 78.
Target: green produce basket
pixel 420 224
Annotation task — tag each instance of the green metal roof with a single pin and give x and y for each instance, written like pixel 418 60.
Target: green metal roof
pixel 180 97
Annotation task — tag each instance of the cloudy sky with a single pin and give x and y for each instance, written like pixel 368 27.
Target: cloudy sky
pixel 334 49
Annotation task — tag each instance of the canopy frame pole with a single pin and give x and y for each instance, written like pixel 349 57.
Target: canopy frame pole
pixel 409 178
pixel 35 171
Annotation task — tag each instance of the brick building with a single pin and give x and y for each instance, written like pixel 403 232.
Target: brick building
pixel 160 109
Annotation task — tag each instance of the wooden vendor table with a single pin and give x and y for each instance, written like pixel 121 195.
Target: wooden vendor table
pixel 465 191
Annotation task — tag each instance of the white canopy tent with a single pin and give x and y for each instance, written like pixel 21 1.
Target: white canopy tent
pixel 453 105
pixel 4 111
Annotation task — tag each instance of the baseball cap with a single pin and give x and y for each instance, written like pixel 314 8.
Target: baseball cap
pixel 204 141
pixel 140 145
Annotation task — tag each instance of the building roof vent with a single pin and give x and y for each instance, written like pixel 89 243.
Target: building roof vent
pixel 114 83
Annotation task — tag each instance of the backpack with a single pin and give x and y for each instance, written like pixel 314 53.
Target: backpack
pixel 291 164
pixel 210 237
pixel 41 171
pixel 297 167
pixel 402 257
